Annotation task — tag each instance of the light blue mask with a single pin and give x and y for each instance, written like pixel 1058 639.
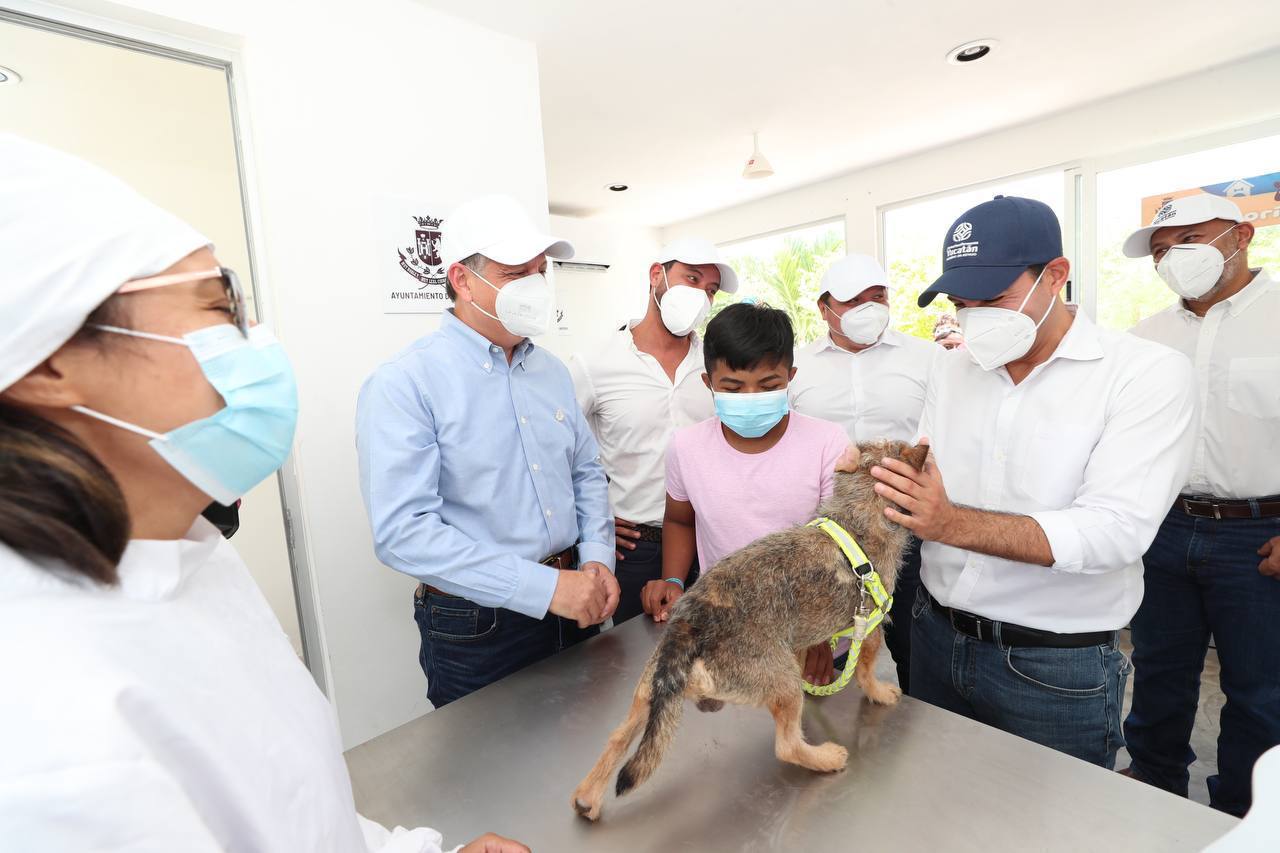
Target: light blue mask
pixel 247 440
pixel 752 415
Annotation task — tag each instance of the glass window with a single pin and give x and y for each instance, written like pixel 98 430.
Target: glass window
pixel 913 238
pixel 1128 288
pixel 784 269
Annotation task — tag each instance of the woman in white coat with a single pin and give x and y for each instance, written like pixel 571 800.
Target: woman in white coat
pixel 149 701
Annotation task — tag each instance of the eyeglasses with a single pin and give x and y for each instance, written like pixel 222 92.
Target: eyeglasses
pixel 230 284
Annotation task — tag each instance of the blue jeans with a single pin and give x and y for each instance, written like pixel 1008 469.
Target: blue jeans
pixel 1065 699
pixel 466 646
pixel 897 633
pixel 642 565
pixel 1202 579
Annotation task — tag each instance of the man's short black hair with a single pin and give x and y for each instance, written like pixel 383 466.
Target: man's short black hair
pixel 745 334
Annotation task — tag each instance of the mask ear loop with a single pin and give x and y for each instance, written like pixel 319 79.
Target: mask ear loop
pixel 473 302
pixel 654 295
pixel 116 422
pixel 1027 299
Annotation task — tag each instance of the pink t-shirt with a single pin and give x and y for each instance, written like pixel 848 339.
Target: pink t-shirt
pixel 739 497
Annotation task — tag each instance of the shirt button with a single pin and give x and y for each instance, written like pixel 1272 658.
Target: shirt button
pixel 523 419
pixel 536 467
pixel 559 414
pixel 488 365
pixel 548 513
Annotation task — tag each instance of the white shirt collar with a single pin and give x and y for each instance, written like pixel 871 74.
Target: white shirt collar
pixel 1262 282
pixel 891 337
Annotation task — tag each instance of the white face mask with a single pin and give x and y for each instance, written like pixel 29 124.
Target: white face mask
pixel 682 307
pixel 996 336
pixel 523 306
pixel 1193 269
pixel 864 324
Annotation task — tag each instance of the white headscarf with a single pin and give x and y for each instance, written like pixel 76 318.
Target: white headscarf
pixel 70 235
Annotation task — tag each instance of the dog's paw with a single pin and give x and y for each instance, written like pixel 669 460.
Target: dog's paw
pixel 589 810
pixel 829 757
pixel 882 693
pixel 709 705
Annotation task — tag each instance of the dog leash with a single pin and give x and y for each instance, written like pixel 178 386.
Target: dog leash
pixel 867 619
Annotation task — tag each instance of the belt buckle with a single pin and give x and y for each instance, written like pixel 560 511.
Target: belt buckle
pixel 1217 512
pixel 977 624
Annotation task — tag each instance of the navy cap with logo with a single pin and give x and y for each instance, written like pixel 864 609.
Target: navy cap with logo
pixel 992 244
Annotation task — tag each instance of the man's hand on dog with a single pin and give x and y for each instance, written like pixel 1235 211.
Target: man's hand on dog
pixel 625 536
pixel 1270 552
pixel 658 597
pixel 588 596
pixel 928 510
pixel 819 665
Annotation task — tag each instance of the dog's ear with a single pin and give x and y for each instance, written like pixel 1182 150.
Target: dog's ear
pixel 849 460
pixel 915 456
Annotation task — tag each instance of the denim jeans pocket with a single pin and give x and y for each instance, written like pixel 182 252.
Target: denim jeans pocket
pixel 1065 672
pixel 460 624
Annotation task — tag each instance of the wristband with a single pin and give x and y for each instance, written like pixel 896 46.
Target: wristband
pixel 677 582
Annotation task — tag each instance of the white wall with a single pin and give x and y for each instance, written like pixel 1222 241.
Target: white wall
pixel 1222 98
pixel 600 301
pixel 348 102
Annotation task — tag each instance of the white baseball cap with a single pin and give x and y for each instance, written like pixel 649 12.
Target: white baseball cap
pixel 691 250
pixel 851 275
pixel 1188 210
pixel 498 228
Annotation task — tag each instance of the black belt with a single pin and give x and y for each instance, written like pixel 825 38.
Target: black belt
pixel 566 560
pixel 1219 508
pixel 981 628
pixel 649 533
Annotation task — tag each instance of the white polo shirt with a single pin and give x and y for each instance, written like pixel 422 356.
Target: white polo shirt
pixel 633 408
pixel 875 393
pixel 1093 444
pixel 1235 348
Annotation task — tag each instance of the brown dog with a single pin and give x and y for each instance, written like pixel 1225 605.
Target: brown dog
pixel 739 635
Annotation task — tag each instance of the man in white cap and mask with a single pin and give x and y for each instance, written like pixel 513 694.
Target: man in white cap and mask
pixel 1214 567
pixel 151 700
pixel 644 383
pixel 870 379
pixel 479 473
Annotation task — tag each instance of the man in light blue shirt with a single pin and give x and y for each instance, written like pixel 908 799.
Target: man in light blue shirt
pixel 478 471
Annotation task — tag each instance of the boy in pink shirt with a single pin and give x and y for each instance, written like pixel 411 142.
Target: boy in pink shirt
pixel 755 468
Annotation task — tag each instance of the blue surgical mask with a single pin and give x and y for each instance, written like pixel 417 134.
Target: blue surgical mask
pixel 247 440
pixel 752 415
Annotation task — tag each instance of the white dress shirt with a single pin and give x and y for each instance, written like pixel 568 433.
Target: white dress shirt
pixel 1093 445
pixel 875 393
pixel 166 713
pixel 633 407
pixel 1235 348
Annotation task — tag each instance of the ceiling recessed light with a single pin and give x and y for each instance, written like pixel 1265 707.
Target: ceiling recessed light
pixel 971 51
pixel 8 75
pixel 616 188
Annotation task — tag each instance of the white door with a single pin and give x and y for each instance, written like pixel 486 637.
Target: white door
pixel 163 124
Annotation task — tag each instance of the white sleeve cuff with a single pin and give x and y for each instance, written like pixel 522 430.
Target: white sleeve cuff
pixel 1064 540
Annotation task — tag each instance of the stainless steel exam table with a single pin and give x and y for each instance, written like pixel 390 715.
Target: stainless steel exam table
pixel 506 759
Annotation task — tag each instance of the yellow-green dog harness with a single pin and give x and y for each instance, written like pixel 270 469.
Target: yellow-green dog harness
pixel 865 621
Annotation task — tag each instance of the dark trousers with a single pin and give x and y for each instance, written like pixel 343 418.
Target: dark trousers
pixel 642 565
pixel 897 631
pixel 1065 699
pixel 1201 578
pixel 466 646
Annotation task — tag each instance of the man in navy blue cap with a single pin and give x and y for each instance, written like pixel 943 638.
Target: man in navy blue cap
pixel 1061 446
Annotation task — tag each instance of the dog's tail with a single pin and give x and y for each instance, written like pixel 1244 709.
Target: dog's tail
pixel 676 654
